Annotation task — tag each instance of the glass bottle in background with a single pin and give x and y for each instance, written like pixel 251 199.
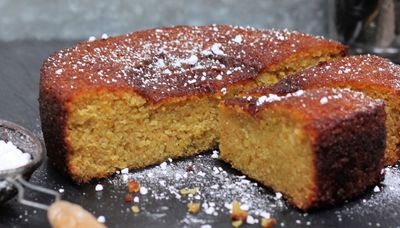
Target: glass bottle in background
pixel 367 26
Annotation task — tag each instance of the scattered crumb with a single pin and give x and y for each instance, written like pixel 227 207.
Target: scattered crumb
pixel 237 212
pixel 267 222
pixel 377 189
pixel 128 198
pixel 187 191
pixel 61 190
pixel 237 223
pixel 193 208
pixel 135 209
pixel 133 185
pixel 189 168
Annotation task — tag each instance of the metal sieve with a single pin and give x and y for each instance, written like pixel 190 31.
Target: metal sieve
pixel 15 181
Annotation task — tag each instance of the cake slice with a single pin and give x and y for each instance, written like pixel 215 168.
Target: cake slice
pixel 138 99
pixel 375 76
pixel 318 147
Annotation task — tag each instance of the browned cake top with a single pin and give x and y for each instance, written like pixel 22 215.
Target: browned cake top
pixel 318 107
pixel 361 71
pixel 176 61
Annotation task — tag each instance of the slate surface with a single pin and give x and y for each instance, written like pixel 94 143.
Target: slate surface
pixel 19 78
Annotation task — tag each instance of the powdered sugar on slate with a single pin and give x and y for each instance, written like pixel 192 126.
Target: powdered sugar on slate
pixel 217 188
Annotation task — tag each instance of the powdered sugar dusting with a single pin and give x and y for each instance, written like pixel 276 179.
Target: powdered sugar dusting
pixel 170 61
pixel 273 97
pixel 216 49
pixel 217 188
pixel 354 70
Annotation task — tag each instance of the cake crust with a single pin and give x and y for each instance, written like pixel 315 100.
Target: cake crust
pixel 353 71
pixel 347 132
pixel 178 61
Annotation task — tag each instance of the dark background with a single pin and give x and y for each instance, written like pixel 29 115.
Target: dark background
pixel 79 19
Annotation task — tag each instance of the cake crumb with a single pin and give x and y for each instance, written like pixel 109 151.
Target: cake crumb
pixel 188 191
pixel 237 212
pixel 267 222
pixel 128 198
pixel 135 209
pixel 133 185
pixel 237 223
pixel 377 189
pixel 193 208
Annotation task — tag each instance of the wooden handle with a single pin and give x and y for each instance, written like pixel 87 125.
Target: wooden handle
pixel 63 214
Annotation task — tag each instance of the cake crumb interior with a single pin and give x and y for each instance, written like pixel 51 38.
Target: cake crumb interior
pixel 272 149
pixel 110 130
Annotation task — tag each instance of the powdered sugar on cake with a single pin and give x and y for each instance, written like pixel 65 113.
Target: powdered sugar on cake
pixel 174 61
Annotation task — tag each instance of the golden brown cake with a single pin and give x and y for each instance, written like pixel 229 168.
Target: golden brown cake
pixel 317 147
pixel 373 75
pixel 137 99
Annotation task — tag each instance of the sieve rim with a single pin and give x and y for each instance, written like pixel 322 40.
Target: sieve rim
pixel 37 152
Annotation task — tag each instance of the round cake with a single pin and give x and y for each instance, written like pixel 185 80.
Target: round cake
pixel 138 99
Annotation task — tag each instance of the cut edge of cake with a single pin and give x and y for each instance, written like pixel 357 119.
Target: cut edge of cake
pixel 308 150
pixel 375 76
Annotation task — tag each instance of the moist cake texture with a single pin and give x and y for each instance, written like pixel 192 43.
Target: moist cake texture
pixel 137 99
pixel 372 75
pixel 318 147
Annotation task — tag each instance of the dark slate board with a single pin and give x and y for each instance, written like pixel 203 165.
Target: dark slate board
pixel 19 78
